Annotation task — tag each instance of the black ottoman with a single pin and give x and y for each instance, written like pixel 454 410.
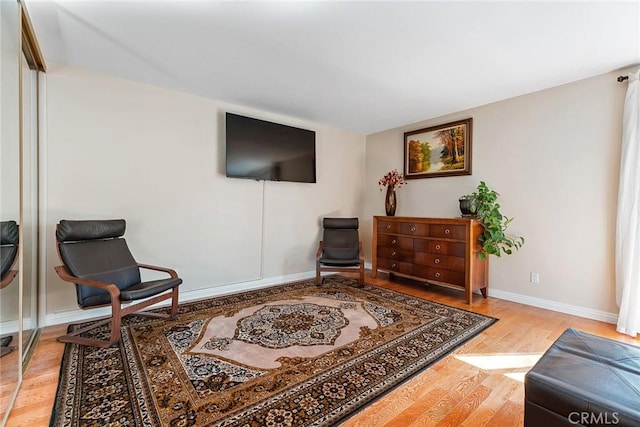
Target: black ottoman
pixel 584 380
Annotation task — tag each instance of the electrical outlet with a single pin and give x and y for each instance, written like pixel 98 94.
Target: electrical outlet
pixel 535 278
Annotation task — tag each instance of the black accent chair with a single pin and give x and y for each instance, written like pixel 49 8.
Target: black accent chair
pixel 97 260
pixel 9 238
pixel 340 249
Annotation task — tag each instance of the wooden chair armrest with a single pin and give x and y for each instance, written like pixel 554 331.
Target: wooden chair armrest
pixel 64 274
pixel 319 253
pixel 8 278
pixel 169 271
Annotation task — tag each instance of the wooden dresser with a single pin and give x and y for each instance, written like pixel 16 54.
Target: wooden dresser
pixel 441 251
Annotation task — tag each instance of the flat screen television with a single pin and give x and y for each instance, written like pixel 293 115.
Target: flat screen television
pixel 261 150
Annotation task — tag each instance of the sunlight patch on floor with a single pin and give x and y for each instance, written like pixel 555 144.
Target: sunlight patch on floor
pixel 518 376
pixel 514 362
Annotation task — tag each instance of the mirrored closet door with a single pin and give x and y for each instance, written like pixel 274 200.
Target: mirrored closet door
pixel 21 66
pixel 29 204
pixel 10 51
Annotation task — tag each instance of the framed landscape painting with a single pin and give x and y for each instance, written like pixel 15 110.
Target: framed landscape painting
pixel 443 150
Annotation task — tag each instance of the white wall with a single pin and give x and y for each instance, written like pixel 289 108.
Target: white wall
pixel 553 156
pixel 121 149
pixel 118 149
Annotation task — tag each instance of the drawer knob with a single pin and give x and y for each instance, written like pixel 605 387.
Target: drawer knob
pixel 447 231
pixel 413 229
pixel 437 261
pixel 394 265
pixel 388 226
pixel 437 275
pixel 393 253
pixel 394 241
pixel 437 247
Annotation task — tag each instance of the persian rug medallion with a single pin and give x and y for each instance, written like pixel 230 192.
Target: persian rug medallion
pixel 290 355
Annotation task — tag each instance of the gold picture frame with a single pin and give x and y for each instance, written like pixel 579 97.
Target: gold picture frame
pixel 437 151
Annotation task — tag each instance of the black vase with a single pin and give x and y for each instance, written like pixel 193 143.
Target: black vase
pixel 390 201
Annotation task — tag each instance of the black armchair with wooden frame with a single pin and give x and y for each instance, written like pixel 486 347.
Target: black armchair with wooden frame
pixel 97 260
pixel 340 249
pixel 9 237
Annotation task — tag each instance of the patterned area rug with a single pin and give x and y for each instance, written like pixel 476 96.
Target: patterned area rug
pixel 289 355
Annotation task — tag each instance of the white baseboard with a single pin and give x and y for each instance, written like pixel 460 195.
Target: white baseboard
pixel 79 315
pixel 575 310
pixel 12 326
pixel 9 327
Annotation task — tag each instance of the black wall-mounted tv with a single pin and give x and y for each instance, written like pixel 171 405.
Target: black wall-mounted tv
pixel 261 150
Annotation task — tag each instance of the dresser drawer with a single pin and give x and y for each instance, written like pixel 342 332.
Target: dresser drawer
pixel 440 247
pixel 395 241
pixel 413 228
pixel 440 275
pixel 387 227
pixel 447 231
pixel 394 265
pixel 395 253
pixel 439 261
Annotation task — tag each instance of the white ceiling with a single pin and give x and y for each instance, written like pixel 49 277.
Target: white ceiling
pixel 360 66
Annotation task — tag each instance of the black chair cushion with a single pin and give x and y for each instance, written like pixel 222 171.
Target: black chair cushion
pixel 70 231
pixel 9 233
pixel 148 289
pixel 8 256
pixel 107 261
pixel 340 223
pixel 339 262
pixel 340 241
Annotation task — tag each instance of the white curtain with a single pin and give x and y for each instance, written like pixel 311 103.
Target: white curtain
pixel 628 218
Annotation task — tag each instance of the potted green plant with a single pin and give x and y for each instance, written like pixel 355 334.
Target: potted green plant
pixel 483 203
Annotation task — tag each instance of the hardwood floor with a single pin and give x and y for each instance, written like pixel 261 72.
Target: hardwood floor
pixel 480 384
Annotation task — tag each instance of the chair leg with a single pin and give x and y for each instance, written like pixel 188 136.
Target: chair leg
pixel 116 321
pixel 75 338
pixel 318 277
pixel 114 335
pixel 174 302
pixel 117 313
pixel 361 278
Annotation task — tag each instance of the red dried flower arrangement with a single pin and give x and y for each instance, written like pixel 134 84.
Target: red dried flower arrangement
pixel 392 178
